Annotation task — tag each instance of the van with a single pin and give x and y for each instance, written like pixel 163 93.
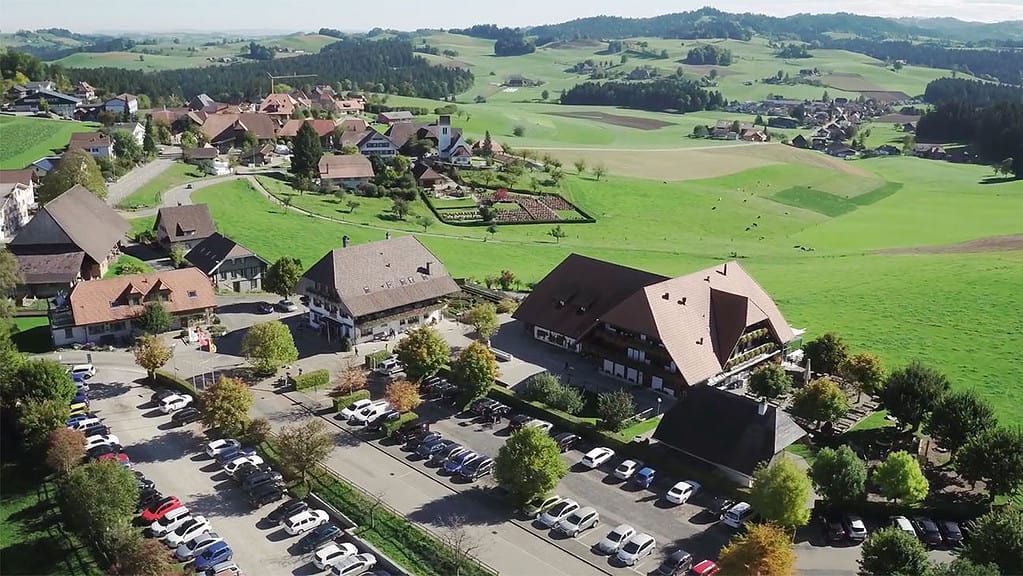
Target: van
pixel 389 367
pixel 84 371
pixel 737 515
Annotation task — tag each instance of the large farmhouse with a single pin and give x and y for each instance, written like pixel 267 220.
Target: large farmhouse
pixel 663 333
pixel 375 290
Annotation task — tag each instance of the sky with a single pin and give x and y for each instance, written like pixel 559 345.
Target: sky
pixel 310 15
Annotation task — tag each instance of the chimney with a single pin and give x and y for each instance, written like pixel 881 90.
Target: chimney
pixel 428 268
pixel 345 240
pixel 682 301
pixel 700 341
pixel 762 407
pixel 387 235
pixel 666 296
pixel 725 273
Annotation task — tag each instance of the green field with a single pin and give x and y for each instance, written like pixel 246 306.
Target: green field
pixel 118 268
pixel 25 140
pixel 150 193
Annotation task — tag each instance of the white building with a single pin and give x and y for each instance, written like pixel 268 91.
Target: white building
pixel 17 200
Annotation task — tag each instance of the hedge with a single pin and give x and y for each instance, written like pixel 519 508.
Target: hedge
pixel 314 379
pixel 165 380
pixel 343 401
pixel 390 427
pixel 376 358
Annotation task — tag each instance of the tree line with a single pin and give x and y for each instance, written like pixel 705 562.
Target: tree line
pixel 659 95
pixel 996 131
pixel 509 41
pixel 709 54
pixel 973 92
pixel 377 65
pixel 1002 65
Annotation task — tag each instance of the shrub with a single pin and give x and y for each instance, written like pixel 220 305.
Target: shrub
pixel 342 401
pixel 542 387
pixel 390 427
pixel 314 379
pixel 567 400
pixel 506 306
pixel 375 358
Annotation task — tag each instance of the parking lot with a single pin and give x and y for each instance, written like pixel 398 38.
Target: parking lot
pixel 174 459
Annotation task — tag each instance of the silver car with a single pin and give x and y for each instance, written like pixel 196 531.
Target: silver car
pixel 616 538
pixel 578 521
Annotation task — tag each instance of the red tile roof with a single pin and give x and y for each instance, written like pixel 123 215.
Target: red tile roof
pixel 99 301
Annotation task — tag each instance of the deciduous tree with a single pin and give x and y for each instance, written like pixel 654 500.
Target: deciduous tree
pixel 995 456
pixel 599 171
pixel 820 401
pixel 39 379
pixel 225 406
pixel 483 317
pixel 400 208
pixel 138 556
pixel 839 475
pixel 37 418
pixel 303 447
pixel 529 465
pixel 827 353
pixel 780 492
pixel 910 393
pixel 557 233
pixel 151 354
pixel 99 501
pixel 257 431
pixel 866 370
pixel 66 450
pixel 998 537
pixel 891 551
pixel 352 378
pixel 475 371
pixel 424 221
pixel 403 395
pixel 770 381
pixel 76 167
pixel 957 416
pixel 155 318
pixel 580 166
pixel 306 152
pixel 761 550
pixel 899 478
pixel 964 567
pixel 423 352
pixel 268 346
pixel 614 409
pixel 283 275
pixel 126 148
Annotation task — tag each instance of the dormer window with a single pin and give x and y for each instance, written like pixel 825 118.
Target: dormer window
pixel 193 294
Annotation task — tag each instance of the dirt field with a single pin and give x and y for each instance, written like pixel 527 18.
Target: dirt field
pixel 884 95
pixel 781 154
pixel 990 244
pixel 849 82
pixel 616 120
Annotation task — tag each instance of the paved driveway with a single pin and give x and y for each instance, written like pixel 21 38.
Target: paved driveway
pixel 136 179
pixel 173 458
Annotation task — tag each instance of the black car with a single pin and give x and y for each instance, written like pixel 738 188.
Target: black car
pixel 951 533
pixel 414 442
pixel 159 395
pixel 148 497
pixel 427 386
pixel 678 562
pixel 519 421
pixel 927 531
pixel 319 537
pixel 439 456
pixel 97 451
pixel 97 429
pixel 445 391
pixel 286 510
pixel 565 441
pixel 409 431
pixel 265 308
pixel 265 494
pixel 186 416
pixel 428 449
pixel 721 505
pixel 377 424
pixel 265 478
pixel 477 469
pixel 481 405
pixel 496 412
pixel 831 527
pixel 143 482
pixel 242 473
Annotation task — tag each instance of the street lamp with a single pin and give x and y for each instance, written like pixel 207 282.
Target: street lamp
pixel 658 407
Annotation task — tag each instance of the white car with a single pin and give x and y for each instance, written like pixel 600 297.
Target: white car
pixel 626 469
pixel 233 465
pixel 541 424
pixel 558 512
pixel 332 554
pixel 354 408
pixel 170 521
pixel 370 412
pixel 681 492
pixel 616 538
pixel 597 457
pixel 638 547
pixel 191 548
pixel 305 521
pixel 579 521
pixel 174 403
pixel 903 523
pixel 197 525
pixel 83 423
pixel 101 440
pixel 354 565
pixel 217 447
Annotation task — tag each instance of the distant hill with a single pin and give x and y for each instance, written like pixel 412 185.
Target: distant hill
pixel 954 29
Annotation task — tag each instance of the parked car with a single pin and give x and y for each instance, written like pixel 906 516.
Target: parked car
pixel 737 515
pixel 354 565
pixel 305 521
pixel 159 508
pixel 104 450
pixel 82 423
pixel 541 424
pixel 233 465
pixel 245 470
pixel 903 523
pixel 389 366
pixel 558 512
pixel 480 405
pixel 682 491
pixel 637 548
pixel 428 449
pixel 190 548
pixel 95 429
pixel 217 447
pixel 159 395
pixel 616 538
pixel 951 533
pixel 265 494
pixel 265 307
pixel 332 554
pixel 831 527
pixel 81 397
pixel 477 469
pixel 352 409
pixel 855 529
pixel 77 408
pixel 579 521
pixel 496 412
pixel 644 478
pixel 228 455
pixel 370 412
pixel 706 568
pixel 519 422
pixel 85 371
pixel 286 306
pixel 678 562
pixel 416 441
pixel 597 457
pixel 539 505
pixel 318 537
pixel 186 416
pixel 409 430
pixel 452 449
pixel 226 568
pixel 377 424
pixel 263 478
pixel 113 456
pixel 927 530
pixel 170 521
pixel 147 498
pixel 453 465
pixel 286 510
pixel 626 469
pixel 101 440
pixel 186 531
pixel 721 505
pixel 175 403
pixel 215 554
pixel 565 441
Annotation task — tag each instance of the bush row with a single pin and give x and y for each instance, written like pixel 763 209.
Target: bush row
pixel 314 379
pixel 342 401
pixel 390 427
pixel 548 389
pixel 376 358
pixel 165 380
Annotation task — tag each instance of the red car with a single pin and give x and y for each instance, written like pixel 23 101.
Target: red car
pixel 120 457
pixel 158 510
pixel 705 568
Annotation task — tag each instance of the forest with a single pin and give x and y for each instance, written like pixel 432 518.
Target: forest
pixel 509 41
pixel 668 94
pixel 971 92
pixel 709 54
pixel 1002 65
pixel 379 65
pixel 995 131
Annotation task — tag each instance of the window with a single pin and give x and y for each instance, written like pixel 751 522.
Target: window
pixel 69 333
pixel 223 275
pixel 253 284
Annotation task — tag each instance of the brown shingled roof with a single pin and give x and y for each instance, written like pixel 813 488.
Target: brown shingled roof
pixel 25 176
pixel 290 129
pixel 185 222
pixel 89 140
pixel 346 166
pixel 75 218
pixel 99 301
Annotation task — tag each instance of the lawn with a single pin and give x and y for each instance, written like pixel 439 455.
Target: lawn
pixel 24 140
pixel 126 265
pixel 150 193
pixel 32 539
pixel 31 334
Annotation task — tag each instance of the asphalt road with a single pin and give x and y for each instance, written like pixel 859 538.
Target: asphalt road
pixel 136 179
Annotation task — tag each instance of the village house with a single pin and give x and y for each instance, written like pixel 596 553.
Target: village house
pixel 395 117
pixel 97 144
pixel 375 290
pixel 225 130
pixel 183 226
pixel 888 150
pixel 782 122
pixel 201 102
pixel 19 90
pixel 800 142
pixel 353 125
pixel 930 151
pixel 279 106
pixel 733 433
pixel 451 145
pixel 839 150
pixel 197 156
pixel 667 334
pixel 374 143
pixel 17 201
pixel 44 166
pixel 137 131
pixel 105 311
pixel 399 134
pixel 257 156
pixel 57 103
pixel 84 91
pixel 323 128
pixel 427 177
pixel 73 237
pixel 229 266
pixel 346 171
pixel 118 104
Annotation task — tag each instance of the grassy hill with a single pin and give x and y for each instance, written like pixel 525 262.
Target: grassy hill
pixel 25 140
